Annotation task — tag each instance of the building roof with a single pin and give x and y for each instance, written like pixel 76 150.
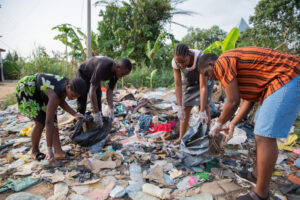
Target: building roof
pixel 2 50
pixel 242 25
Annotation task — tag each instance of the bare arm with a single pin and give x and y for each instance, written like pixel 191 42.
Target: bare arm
pixel 109 97
pixel 178 86
pixel 93 97
pixel 66 107
pixel 243 111
pixel 203 92
pixel 232 102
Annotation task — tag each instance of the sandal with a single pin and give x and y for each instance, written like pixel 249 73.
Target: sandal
pixel 68 156
pixel 252 196
pixel 38 156
pixel 248 176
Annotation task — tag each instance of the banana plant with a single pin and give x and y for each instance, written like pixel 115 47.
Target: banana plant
pixel 125 54
pixel 151 77
pixel 228 43
pixel 151 51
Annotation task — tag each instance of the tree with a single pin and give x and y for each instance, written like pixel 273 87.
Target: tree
pixel 201 38
pixel 131 24
pixel 11 68
pixel 276 24
pixel 69 37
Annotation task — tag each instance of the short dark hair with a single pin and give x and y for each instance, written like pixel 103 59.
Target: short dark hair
pixel 125 63
pixel 181 50
pixel 78 85
pixel 204 59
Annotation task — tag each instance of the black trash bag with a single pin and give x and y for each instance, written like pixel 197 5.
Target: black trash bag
pixel 92 136
pixel 194 147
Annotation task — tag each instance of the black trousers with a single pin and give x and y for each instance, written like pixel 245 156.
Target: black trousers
pixel 82 100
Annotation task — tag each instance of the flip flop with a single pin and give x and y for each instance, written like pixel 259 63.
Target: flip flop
pixel 68 156
pixel 248 176
pixel 38 156
pixel 252 196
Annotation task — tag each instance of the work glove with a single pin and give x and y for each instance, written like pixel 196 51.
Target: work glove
pixel 215 129
pixel 98 119
pixel 228 131
pixel 78 116
pixel 181 113
pixel 203 117
pixel 111 113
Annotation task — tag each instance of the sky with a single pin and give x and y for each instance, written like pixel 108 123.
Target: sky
pixel 27 24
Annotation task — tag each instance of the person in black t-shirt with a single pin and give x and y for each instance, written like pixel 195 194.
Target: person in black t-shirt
pixel 95 70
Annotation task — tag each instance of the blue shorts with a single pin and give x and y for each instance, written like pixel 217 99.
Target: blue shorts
pixel 279 111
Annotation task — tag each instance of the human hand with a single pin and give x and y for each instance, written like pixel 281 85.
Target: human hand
pixel 181 113
pixel 203 117
pixel 98 119
pixel 228 131
pixel 216 128
pixel 111 113
pixel 78 116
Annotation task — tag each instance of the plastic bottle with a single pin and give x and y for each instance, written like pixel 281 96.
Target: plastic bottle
pixel 135 172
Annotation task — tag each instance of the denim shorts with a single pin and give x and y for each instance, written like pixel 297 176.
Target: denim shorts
pixel 279 111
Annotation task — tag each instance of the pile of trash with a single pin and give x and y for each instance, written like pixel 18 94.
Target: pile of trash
pixel 132 156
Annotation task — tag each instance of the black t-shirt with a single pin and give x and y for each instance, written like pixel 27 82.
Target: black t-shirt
pixel 98 69
pixel 45 81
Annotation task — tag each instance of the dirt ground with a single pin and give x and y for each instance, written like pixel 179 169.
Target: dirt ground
pixel 7 87
pixel 41 189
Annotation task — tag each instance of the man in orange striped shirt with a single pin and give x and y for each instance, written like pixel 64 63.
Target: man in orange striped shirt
pixel 257 74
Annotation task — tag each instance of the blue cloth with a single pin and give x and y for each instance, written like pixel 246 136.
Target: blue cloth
pixel 279 111
pixel 297 163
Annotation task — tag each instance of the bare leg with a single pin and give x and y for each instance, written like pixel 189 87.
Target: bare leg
pixel 184 123
pixel 36 137
pixel 58 152
pixel 267 153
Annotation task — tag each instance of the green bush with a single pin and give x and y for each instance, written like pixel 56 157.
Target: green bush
pixel 40 62
pixel 11 70
pixel 138 78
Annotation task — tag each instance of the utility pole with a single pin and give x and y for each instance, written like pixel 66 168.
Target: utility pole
pixel 89 52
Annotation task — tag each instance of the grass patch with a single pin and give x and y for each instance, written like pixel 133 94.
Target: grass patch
pixel 138 78
pixel 9 100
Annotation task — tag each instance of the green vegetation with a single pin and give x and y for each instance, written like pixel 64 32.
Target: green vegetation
pixel 9 100
pixel 219 47
pixel 275 25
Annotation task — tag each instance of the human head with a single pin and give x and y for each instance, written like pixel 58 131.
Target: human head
pixel 206 65
pixel 123 67
pixel 75 88
pixel 182 55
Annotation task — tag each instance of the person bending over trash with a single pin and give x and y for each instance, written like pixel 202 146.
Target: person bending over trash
pixel 95 70
pixel 38 97
pixel 257 74
pixel 193 90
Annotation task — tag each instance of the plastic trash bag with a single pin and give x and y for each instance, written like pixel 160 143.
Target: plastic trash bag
pixel 194 146
pixel 93 136
pixel 18 184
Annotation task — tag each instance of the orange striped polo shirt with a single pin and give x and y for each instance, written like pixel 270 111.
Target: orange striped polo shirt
pixel 259 71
